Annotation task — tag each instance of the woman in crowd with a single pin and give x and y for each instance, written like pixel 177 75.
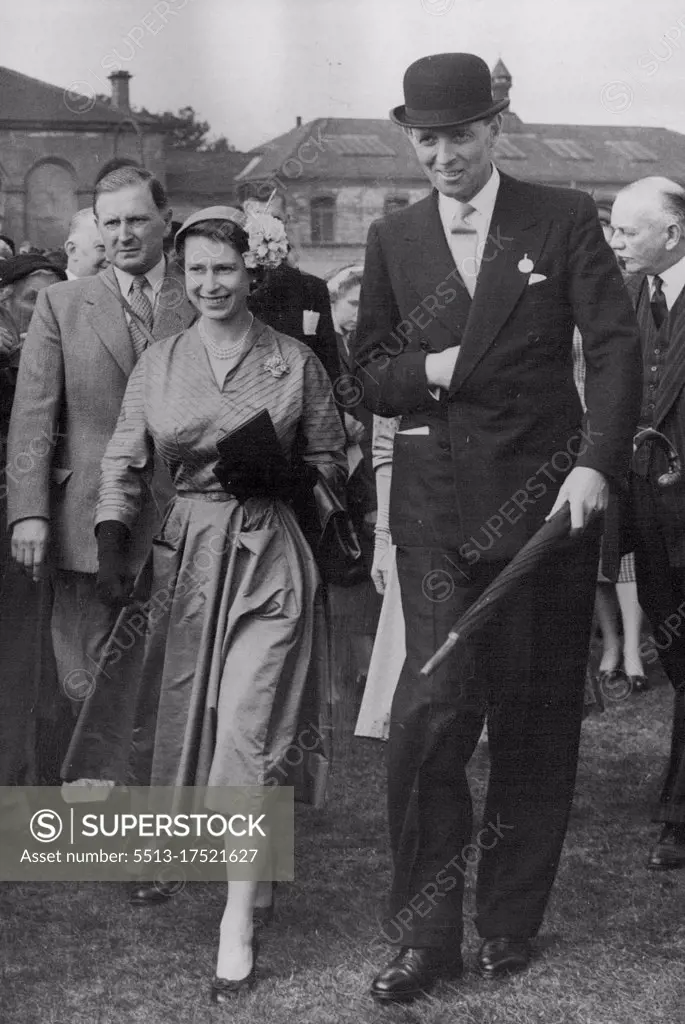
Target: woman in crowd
pixel 355 609
pixel 233 652
pixel 388 652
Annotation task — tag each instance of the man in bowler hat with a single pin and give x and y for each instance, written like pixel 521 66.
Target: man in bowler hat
pixel 468 305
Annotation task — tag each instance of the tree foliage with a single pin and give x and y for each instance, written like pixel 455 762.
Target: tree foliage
pixel 186 130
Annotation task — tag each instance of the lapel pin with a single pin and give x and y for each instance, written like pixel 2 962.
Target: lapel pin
pixel 526 264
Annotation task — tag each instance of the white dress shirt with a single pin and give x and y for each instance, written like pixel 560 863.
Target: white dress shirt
pixel 672 282
pixel 483 203
pixel 151 288
pixel 450 210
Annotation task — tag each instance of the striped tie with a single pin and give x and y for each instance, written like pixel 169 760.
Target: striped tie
pixel 142 307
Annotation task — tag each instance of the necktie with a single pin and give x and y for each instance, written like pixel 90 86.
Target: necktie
pixel 142 307
pixel 464 246
pixel 658 303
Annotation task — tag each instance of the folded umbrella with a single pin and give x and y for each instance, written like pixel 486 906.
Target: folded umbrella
pixel 547 538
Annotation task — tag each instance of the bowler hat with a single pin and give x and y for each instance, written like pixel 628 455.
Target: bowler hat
pixel 446 90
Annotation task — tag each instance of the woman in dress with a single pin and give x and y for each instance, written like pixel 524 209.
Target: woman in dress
pixel 354 609
pixel 231 651
pixel 387 657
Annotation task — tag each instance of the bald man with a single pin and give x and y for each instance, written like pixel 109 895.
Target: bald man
pixel 84 247
pixel 648 221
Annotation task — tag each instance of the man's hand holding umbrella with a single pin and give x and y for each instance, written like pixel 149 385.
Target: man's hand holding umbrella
pixel 587 493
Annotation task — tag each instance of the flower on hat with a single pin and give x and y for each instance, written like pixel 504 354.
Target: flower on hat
pixel 267 238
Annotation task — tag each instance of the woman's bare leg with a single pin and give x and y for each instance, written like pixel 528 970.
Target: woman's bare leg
pixel 234 960
pixel 631 613
pixel 605 607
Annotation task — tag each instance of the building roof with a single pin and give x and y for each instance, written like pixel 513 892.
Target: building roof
pixel 203 174
pixel 597 153
pixel 369 149
pixel 330 148
pixel 26 101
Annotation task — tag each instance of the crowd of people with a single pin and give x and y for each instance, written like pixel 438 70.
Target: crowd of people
pixel 177 420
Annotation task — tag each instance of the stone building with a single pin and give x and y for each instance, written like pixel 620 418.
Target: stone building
pixel 53 142
pixel 337 175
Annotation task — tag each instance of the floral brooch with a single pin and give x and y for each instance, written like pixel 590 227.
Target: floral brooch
pixel 276 365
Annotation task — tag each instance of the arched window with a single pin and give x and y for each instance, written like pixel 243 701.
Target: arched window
pixel 394 203
pixel 322 226
pixel 50 202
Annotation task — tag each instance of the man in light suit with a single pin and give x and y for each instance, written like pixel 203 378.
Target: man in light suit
pixel 83 341
pixel 648 218
pixel 468 305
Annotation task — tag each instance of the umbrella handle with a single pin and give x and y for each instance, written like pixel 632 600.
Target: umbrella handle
pixel 675 469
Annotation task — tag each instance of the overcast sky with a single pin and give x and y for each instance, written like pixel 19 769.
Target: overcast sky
pixel 250 66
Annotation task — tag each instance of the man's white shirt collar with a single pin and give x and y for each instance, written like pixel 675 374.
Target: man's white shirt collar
pixel 483 203
pixel 673 282
pixel 71 276
pixel 154 278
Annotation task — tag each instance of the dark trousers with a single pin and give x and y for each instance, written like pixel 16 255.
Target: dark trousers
pixel 81 625
pixel 661 593
pixel 526 670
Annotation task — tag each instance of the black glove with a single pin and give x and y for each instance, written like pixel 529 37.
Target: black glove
pixel 112 584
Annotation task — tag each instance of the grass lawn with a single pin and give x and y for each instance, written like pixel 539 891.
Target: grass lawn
pixel 612 950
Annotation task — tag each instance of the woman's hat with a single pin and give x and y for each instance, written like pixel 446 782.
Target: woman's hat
pixel 16 268
pixel 226 213
pixel 446 90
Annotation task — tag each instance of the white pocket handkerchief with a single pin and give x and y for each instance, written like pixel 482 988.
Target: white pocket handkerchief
pixel 537 278
pixel 424 431
pixel 310 321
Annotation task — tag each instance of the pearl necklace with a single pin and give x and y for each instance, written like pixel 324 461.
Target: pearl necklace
pixel 227 351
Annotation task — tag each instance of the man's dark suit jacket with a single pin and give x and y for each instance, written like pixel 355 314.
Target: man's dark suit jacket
pixel 282 300
pixel 503 439
pixel 669 410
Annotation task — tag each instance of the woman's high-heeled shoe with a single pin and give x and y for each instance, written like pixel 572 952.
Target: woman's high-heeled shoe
pixel 225 989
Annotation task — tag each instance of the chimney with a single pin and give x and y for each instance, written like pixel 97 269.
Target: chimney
pixel 120 98
pixel 298 121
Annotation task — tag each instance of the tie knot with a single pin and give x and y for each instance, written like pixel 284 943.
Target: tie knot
pixel 658 285
pixel 461 221
pixel 139 282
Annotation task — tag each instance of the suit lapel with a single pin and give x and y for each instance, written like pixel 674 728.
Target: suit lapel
pixel 174 312
pixel 645 319
pixel 430 262
pixel 515 233
pixel 673 375
pixel 108 321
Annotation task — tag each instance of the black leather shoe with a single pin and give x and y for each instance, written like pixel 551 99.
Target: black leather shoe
pixel 669 852
pixel 225 989
pixel 413 973
pixel 149 894
pixel 501 956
